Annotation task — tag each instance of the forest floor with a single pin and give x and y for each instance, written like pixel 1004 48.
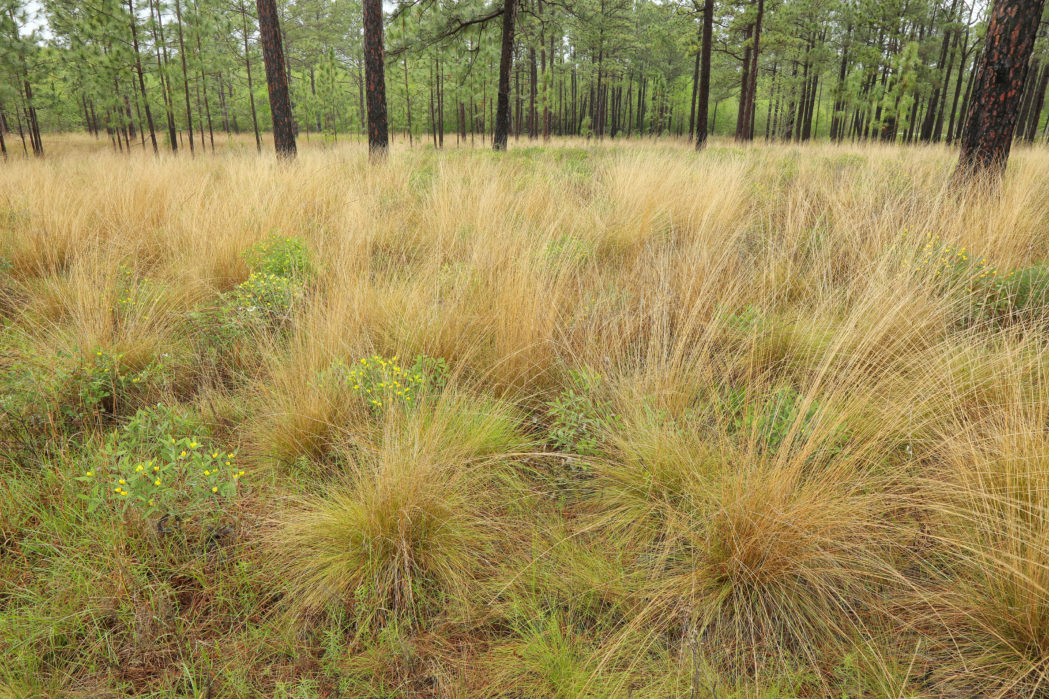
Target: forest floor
pixel 574 420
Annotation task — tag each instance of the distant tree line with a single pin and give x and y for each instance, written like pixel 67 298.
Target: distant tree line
pixel 170 73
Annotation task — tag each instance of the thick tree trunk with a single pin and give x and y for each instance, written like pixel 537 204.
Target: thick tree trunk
pixel 375 77
pixel 703 101
pixel 276 78
pixel 506 66
pixel 988 132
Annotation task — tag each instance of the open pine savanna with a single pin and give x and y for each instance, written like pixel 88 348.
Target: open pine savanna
pixel 606 420
pixel 631 411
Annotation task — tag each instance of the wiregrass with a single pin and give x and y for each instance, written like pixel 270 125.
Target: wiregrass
pixel 737 423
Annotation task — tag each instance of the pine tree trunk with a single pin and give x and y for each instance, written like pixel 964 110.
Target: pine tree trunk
pixel 988 133
pixel 375 77
pixel 703 100
pixel 276 78
pixel 506 66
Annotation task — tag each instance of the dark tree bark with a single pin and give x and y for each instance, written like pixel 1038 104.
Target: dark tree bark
pixel 276 78
pixel 703 101
pixel 375 78
pixel 988 132
pixel 506 66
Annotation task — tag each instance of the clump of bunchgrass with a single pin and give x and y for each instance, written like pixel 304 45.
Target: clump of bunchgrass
pixel 412 525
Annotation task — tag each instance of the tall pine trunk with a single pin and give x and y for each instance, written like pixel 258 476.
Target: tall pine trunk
pixel 375 77
pixel 276 78
pixel 506 66
pixel 988 133
pixel 703 100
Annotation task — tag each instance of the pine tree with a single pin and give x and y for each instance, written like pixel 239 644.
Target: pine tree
pixel 276 79
pixel 988 133
pixel 375 77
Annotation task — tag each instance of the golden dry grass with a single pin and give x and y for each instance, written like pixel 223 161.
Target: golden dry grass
pixel 715 425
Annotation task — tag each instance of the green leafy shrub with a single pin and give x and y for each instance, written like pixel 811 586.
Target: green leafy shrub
pixel 154 466
pixel 84 390
pixel 280 268
pixel 577 416
pixel 280 256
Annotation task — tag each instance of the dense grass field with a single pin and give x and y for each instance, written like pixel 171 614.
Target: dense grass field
pixel 581 420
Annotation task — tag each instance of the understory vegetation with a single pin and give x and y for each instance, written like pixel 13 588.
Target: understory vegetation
pixel 585 420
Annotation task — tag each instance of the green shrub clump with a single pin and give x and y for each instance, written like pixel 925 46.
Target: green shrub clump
pixel 279 270
pixel 280 256
pixel 578 417
pixel 153 464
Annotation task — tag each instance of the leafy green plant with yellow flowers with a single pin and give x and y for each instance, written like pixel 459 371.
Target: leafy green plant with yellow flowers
pixel 151 466
pixel 382 382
